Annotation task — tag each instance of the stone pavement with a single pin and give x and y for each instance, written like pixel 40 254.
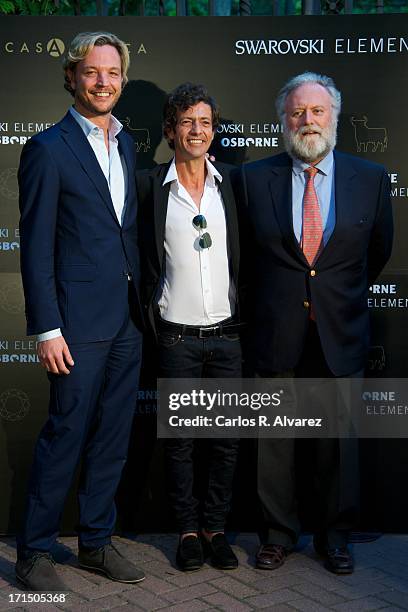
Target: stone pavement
pixel 380 581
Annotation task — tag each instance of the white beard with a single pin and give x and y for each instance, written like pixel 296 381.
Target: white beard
pixel 312 148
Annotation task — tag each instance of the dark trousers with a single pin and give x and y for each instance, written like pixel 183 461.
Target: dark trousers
pixel 334 467
pixel 90 417
pixel 192 357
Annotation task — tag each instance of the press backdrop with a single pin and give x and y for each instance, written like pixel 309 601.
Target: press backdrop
pixel 243 62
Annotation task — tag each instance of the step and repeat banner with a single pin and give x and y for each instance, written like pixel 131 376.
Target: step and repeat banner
pixel 243 63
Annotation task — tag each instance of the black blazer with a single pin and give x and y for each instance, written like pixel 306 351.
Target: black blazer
pixel 280 278
pixel 153 201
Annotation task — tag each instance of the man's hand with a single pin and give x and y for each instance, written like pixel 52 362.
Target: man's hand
pixel 54 355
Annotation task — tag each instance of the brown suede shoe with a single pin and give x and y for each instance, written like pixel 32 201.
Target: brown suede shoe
pixel 270 556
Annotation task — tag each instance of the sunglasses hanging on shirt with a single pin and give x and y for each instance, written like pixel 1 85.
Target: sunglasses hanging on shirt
pixel 200 223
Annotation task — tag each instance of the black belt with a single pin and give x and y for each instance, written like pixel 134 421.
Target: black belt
pixel 209 331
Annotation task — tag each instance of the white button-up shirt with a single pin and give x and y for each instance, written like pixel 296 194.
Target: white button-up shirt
pixel 111 162
pixel 197 288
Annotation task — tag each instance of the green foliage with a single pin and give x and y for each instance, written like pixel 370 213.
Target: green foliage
pixel 195 7
pixel 28 7
pixel 6 7
pixel 388 6
pixel 34 7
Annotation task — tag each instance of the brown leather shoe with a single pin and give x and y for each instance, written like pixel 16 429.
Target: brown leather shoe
pixel 339 561
pixel 271 556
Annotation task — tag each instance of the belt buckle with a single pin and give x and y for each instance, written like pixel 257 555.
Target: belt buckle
pixel 201 333
pixel 208 332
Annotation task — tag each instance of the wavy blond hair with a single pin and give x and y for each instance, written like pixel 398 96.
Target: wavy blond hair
pixel 83 43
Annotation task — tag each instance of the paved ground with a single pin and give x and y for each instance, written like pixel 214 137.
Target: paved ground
pixel 380 581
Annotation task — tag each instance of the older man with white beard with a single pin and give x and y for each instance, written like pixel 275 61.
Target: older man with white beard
pixel 320 226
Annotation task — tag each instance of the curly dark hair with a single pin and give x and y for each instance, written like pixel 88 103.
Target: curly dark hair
pixel 182 98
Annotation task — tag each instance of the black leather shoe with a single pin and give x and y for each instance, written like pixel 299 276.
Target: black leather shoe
pixel 271 556
pixel 38 573
pixel 220 552
pixel 110 562
pixel 189 555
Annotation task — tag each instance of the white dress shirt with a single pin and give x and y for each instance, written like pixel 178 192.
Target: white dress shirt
pixel 114 168
pixel 197 288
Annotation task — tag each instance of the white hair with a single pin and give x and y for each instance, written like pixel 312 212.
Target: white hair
pixel 301 79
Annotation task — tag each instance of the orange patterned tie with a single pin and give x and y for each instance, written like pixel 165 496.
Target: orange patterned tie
pixel 312 229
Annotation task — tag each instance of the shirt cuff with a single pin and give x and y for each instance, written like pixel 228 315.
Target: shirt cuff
pixel 49 335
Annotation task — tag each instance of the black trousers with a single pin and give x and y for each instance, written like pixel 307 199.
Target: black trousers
pixel 333 481
pixel 192 357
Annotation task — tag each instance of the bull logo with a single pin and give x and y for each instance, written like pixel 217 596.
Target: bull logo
pixel 141 136
pixel 365 137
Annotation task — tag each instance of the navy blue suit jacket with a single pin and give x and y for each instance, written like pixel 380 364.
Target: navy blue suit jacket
pixel 75 256
pixel 280 283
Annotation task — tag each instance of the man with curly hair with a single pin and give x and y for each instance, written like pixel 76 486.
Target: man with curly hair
pixel 190 254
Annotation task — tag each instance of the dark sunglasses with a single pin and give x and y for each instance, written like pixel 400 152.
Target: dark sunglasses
pixel 200 223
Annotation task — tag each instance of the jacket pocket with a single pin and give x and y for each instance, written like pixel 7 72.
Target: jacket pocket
pixel 76 272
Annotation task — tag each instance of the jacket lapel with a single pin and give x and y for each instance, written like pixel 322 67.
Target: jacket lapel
pixel 160 202
pixel 75 139
pixel 344 174
pixel 129 157
pixel 280 185
pixel 231 222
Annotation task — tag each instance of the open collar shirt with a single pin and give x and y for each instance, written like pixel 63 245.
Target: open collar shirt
pixel 197 288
